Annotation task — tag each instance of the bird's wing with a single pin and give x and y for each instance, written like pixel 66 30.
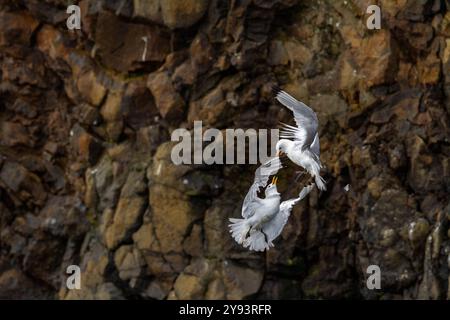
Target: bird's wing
pixel 262 174
pixel 315 146
pixel 305 118
pixel 273 228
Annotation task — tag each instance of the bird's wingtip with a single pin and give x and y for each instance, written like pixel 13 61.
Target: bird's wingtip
pixel 276 90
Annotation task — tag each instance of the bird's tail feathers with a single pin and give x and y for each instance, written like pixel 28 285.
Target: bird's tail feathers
pixel 315 172
pixel 239 229
pixel 320 182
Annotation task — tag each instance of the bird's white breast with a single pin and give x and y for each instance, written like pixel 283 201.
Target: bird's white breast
pixel 269 209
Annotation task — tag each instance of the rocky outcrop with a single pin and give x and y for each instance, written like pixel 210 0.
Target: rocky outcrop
pixel 86 175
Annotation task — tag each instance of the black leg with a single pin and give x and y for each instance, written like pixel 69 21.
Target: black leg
pixel 266 238
pixel 248 233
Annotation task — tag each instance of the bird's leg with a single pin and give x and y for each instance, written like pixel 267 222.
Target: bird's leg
pixel 247 234
pixel 266 238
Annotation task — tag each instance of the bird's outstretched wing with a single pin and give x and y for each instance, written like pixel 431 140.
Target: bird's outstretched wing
pixel 305 118
pixel 315 146
pixel 273 228
pixel 262 174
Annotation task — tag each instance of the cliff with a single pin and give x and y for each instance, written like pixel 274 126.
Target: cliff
pixel 86 176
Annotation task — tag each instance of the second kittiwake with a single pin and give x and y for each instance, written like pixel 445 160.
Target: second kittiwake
pixel 263 218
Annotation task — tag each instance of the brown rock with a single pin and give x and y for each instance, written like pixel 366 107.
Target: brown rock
pixel 145 238
pixel 278 54
pixel 108 291
pixel 202 54
pixel 173 212
pixel 172 216
pixel 129 262
pixel 425 172
pixel 330 106
pixel 377 50
pixel 182 14
pixel 129 208
pixel 216 290
pixel 241 282
pixel 13 134
pixel 93 269
pixel 64 216
pixel 193 245
pixel 90 88
pixel 159 288
pixel 15 285
pixel 112 112
pixel 121 45
pixel 429 70
pixel 298 54
pixel 210 109
pixel 218 241
pixel 375 186
pixel 189 287
pixel 16 28
pixel 88 148
pixel 51 41
pixel 138 106
pixel 148 10
pixel 168 101
pixel 112 108
pixel 173 14
pixel 18 178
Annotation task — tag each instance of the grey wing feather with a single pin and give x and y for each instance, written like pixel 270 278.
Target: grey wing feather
pixel 274 227
pixel 262 174
pixel 305 118
pixel 315 146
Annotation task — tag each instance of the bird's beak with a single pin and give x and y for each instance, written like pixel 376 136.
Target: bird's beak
pixel 274 180
pixel 280 153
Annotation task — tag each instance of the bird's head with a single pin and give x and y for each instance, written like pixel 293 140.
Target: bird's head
pixel 272 187
pixel 281 147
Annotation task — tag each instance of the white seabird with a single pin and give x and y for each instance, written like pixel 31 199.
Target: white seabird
pixel 264 219
pixel 304 148
pixel 263 237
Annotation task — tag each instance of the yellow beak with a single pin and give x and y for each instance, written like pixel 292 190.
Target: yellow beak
pixel 274 180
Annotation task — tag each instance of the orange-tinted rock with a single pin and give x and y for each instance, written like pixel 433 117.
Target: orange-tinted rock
pixel 168 101
pixel 16 28
pixel 90 88
pixel 376 58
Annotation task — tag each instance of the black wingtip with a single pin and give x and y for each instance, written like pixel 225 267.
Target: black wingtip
pixel 276 90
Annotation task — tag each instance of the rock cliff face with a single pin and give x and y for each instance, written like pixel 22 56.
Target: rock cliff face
pixel 86 176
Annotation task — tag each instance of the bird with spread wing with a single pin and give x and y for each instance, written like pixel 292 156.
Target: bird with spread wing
pixel 263 218
pixel 301 143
